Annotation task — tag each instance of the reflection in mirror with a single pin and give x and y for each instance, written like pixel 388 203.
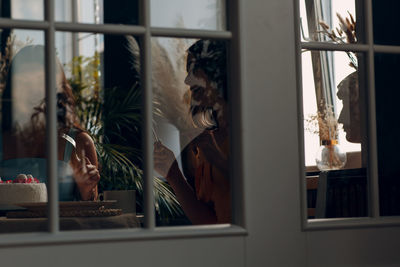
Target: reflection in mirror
pixel 328 21
pixel 335 138
pixel 190 14
pixel 22 135
pixel 191 130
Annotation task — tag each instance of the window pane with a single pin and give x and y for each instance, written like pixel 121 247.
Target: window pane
pixel 98 11
pixel 100 127
pixel 23 140
pixel 22 9
pixel 191 133
pixel 386 22
pixel 191 14
pixel 329 21
pixel 387 93
pixel 334 136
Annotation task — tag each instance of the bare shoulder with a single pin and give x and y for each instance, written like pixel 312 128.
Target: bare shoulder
pixel 83 139
pixel 85 144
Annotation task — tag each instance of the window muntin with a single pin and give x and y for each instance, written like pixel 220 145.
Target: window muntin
pixel 379 196
pixel 50 43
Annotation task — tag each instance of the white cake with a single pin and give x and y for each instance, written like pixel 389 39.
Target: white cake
pixel 13 193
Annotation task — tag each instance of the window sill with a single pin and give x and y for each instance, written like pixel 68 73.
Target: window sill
pixel 133 234
pixel 348 223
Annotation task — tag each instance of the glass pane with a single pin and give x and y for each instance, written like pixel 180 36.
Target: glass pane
pixel 386 22
pixel 100 130
pixel 329 21
pixel 191 131
pixel 191 14
pixel 97 11
pixel 22 140
pixel 387 93
pixel 334 136
pixel 22 9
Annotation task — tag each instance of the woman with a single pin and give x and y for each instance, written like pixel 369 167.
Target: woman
pixel 23 146
pixel 207 201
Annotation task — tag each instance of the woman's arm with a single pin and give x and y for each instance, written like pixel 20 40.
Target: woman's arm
pixel 86 170
pixel 197 211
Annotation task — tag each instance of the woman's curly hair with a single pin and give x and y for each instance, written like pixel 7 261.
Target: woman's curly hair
pixel 210 56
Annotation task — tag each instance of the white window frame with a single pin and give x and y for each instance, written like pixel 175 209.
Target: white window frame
pixel 369 49
pixel 145 32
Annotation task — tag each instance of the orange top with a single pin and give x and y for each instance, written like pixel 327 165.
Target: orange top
pixel 213 187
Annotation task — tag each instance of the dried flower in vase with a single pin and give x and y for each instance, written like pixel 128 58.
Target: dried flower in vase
pixel 323 123
pixel 327 122
pixel 345 33
pixel 329 156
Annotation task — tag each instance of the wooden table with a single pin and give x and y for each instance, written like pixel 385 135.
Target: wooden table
pixel 11 225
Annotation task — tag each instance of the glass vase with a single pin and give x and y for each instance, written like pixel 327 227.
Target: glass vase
pixel 330 156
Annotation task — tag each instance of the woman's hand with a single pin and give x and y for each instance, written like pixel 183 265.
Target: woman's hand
pixel 87 177
pixel 164 159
